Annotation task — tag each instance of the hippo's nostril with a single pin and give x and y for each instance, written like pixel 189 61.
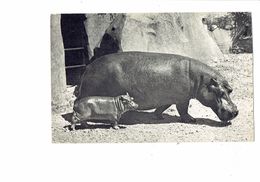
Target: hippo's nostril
pixel 235 113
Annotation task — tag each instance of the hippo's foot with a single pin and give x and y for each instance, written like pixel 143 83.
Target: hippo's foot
pixel 187 119
pixel 72 127
pixel 67 128
pixel 115 127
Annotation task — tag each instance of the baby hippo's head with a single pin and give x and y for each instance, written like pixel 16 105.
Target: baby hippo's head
pixel 128 102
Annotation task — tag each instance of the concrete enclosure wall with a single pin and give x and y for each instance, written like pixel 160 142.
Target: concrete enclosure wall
pixel 58 76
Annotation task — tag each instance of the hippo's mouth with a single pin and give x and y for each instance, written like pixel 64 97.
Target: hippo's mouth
pixel 225 117
pixel 225 122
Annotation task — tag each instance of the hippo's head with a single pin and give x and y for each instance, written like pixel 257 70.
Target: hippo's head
pixel 128 102
pixel 216 96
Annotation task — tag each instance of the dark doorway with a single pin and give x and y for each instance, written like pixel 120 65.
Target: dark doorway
pixel 75 42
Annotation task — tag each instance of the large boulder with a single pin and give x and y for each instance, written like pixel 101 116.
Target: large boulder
pixel 177 33
pixel 220 26
pixel 223 39
pixel 96 25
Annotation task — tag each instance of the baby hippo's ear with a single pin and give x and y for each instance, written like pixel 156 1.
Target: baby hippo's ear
pixel 131 98
pixel 121 97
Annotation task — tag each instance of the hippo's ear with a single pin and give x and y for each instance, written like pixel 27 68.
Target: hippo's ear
pixel 229 89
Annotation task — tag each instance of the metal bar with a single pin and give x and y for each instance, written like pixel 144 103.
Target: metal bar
pixel 75 48
pixel 76 66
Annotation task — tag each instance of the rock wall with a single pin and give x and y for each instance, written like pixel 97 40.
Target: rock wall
pixel 58 76
pixel 95 26
pixel 220 27
pixel 177 33
pixel 223 39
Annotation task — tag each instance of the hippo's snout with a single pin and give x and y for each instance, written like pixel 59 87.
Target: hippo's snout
pixel 235 113
pixel 227 115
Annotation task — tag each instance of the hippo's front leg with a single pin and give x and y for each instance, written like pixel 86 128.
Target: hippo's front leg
pixel 183 111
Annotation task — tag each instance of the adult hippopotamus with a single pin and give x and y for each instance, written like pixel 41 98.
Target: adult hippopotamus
pixel 158 80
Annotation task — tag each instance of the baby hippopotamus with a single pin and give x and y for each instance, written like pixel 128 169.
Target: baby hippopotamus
pixel 102 108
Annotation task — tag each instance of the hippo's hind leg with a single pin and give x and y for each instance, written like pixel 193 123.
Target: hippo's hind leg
pixel 158 112
pixel 183 111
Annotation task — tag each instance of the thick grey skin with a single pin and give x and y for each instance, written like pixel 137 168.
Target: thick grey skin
pixel 158 80
pixel 102 108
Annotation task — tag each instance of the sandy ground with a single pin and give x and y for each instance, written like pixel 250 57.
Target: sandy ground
pixel 143 127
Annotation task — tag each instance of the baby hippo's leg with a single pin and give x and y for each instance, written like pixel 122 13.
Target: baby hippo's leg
pixel 115 119
pixel 74 120
pixel 115 124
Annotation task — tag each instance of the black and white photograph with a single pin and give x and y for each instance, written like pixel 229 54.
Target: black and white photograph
pixel 129 91
pixel 152 77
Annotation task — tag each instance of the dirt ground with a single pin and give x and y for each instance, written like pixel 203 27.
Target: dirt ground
pixel 141 126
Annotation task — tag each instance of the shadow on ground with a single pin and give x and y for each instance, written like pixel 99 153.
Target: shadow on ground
pixel 141 117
